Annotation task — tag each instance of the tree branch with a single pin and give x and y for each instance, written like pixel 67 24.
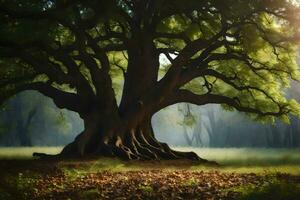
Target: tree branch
pixel 61 99
pixel 188 97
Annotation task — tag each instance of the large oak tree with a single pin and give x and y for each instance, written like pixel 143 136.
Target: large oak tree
pixel 238 53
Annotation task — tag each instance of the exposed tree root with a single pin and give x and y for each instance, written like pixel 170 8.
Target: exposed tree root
pixel 136 145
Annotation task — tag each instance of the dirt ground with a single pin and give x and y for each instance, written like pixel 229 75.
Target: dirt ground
pixel 70 181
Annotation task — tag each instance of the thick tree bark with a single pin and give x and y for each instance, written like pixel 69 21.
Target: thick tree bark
pixel 104 137
pixel 124 142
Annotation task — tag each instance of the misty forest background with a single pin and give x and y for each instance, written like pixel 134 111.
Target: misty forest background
pixel 31 119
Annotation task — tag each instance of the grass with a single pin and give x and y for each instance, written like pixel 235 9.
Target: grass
pixel 256 160
pixel 15 153
pixel 224 156
pixel 275 190
pixel 249 156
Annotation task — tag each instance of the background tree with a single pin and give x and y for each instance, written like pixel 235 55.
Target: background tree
pixel 240 54
pixel 213 127
pixel 29 119
pixel 188 122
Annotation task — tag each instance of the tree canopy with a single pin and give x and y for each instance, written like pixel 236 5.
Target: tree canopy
pixel 243 50
pixel 238 53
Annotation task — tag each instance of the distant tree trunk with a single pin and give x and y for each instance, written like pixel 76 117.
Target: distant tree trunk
pixel 295 132
pixel 274 139
pixel 197 134
pixel 212 127
pixel 189 139
pixel 287 137
pixel 23 121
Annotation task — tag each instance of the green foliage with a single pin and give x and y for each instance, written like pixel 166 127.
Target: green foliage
pixel 118 64
pixel 189 118
pixel 189 121
pixel 272 66
pixel 254 64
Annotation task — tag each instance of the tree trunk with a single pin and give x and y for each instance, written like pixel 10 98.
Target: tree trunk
pixel 25 139
pixel 104 137
pixel 189 139
pixel 22 125
pixel 125 130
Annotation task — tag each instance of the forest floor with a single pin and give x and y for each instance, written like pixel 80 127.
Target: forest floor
pixel 24 178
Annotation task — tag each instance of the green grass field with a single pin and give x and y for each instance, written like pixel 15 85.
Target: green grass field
pixel 231 159
pixel 252 159
pixel 25 152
